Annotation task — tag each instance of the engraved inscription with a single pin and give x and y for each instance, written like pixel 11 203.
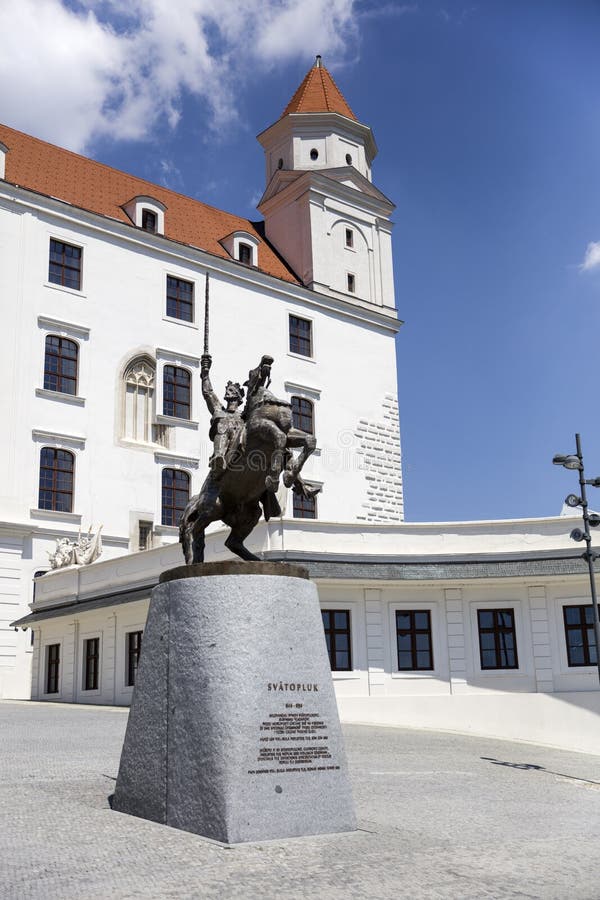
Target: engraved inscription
pixel 293 740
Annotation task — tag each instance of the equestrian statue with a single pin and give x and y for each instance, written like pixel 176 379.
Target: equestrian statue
pixel 252 449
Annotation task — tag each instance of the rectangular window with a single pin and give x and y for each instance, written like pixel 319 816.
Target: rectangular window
pixel 65 265
pixel 176 392
pixel 336 623
pixel 302 414
pixel 304 507
pixel 351 284
pixel 580 636
pixel 180 299
pixel 149 220
pixel 133 648
pixel 300 336
pixel 91 655
pixel 349 237
pixel 144 535
pixel 497 639
pixel 52 668
pixel 413 640
pixel 245 254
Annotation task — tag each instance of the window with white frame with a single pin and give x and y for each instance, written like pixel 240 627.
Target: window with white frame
pixel 497 638
pixel 91 663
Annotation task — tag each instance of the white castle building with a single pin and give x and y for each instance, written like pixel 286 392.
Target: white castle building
pixel 467 626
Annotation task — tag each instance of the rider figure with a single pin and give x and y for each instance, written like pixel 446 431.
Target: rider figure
pixel 226 422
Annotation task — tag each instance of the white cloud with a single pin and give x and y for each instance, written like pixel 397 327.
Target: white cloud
pixel 591 260
pixel 83 69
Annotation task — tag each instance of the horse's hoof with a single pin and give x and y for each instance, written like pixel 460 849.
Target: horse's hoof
pixel 272 484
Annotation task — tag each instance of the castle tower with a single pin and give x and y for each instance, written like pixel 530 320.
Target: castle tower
pixel 321 210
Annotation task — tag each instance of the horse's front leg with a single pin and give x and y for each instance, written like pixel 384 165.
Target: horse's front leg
pixel 307 444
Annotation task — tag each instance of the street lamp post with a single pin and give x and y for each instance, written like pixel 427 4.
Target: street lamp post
pixel 575 461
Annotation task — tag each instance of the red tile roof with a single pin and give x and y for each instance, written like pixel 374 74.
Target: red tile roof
pixel 319 93
pixel 90 185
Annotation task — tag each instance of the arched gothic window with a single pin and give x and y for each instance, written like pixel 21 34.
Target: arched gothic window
pixel 139 394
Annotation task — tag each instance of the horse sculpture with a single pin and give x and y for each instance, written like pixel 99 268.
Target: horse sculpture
pixel 252 450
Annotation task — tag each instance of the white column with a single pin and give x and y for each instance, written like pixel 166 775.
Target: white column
pixel 540 632
pixel 109 659
pixel 375 641
pixel 69 663
pixel 455 634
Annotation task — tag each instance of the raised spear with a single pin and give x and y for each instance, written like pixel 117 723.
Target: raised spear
pixel 206 316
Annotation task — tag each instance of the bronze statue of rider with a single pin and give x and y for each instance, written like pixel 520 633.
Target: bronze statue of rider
pixel 226 421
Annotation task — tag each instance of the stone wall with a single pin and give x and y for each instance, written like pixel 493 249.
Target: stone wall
pixel 379 447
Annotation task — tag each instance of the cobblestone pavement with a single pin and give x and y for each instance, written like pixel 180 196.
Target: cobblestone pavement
pixel 440 816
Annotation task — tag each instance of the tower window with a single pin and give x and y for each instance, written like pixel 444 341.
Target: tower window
pixel 300 336
pixel 175 495
pixel 180 299
pixel 302 415
pixel 60 365
pixel 245 254
pixel 280 163
pixel 349 237
pixel 176 392
pixel 56 480
pixel 351 284
pixel 348 159
pixel 149 220
pixel 314 154
pixel 65 265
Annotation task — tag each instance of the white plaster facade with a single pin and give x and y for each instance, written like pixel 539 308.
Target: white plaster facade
pixel 118 321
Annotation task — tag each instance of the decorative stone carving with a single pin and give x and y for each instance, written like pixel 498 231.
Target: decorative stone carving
pixel 85 550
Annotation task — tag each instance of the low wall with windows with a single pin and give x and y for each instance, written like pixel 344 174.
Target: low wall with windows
pixel 501 647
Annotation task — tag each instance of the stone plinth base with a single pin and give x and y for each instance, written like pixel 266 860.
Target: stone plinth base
pixel 234 731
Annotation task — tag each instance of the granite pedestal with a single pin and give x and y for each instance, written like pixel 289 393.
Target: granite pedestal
pixel 233 731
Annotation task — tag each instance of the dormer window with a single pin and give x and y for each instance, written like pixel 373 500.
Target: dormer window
pixel 147 213
pixel 242 246
pixel 149 220
pixel 245 253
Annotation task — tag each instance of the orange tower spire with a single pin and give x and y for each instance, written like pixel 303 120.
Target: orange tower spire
pixel 319 93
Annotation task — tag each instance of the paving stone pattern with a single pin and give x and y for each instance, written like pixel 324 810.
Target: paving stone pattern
pixel 440 816
pixel 379 446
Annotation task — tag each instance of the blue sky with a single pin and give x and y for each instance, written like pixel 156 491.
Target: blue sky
pixel 487 118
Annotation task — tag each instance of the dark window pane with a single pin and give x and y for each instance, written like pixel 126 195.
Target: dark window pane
pixel 404 641
pixel 589 615
pixel 486 619
pixel 488 659
pixel 423 660
pixel 421 620
pixel 422 641
pixel 341 661
pixel 325 617
pixel 341 619
pixel 405 661
pixel 402 620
